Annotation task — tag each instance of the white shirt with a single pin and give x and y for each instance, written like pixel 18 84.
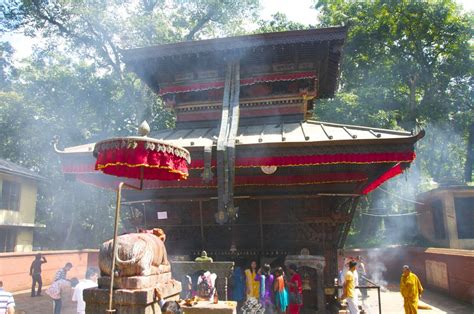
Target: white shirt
pixel 77 295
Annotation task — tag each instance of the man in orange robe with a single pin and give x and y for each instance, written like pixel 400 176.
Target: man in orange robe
pixel 411 289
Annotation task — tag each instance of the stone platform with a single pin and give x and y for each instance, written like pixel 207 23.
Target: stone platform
pixel 207 307
pixel 135 282
pixel 128 301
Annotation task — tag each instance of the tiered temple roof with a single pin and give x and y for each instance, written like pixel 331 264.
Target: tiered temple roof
pixel 259 163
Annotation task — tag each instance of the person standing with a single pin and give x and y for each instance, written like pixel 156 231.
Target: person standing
pixel 411 290
pixel 89 282
pixel 348 289
pixel 238 285
pixel 35 273
pixel 281 294
pixel 362 274
pixel 253 287
pixel 62 273
pixel 266 287
pixel 7 303
pixel 296 290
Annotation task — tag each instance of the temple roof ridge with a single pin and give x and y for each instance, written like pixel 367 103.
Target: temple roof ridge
pixel 236 42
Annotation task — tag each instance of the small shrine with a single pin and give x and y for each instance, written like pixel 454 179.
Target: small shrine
pixel 265 179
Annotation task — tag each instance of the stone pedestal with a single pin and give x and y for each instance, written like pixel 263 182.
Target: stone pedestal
pixel 135 282
pixel 223 270
pixel 132 301
pixel 317 263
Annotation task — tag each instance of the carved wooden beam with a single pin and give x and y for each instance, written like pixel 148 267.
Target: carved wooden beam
pixel 231 138
pixel 226 143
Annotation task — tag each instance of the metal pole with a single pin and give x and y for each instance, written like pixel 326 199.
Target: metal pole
pixel 114 247
pixel 201 222
pixel 380 301
pixel 114 243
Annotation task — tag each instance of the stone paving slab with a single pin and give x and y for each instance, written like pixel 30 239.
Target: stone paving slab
pixel 392 303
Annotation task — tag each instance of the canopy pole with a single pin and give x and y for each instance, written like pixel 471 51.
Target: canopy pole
pixel 114 243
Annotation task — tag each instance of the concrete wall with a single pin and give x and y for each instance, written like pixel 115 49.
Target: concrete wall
pixel 15 267
pixel 425 218
pixel 24 240
pixel 449 271
pixel 25 215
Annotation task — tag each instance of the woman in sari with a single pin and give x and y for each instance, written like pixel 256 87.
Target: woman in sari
pixel 281 294
pixel 253 287
pixel 296 290
pixel 266 288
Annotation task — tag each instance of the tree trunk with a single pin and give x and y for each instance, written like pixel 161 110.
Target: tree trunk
pixel 469 166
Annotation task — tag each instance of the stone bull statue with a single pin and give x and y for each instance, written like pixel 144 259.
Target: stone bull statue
pixel 138 254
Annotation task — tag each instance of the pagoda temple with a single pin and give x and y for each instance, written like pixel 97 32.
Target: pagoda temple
pixel 265 180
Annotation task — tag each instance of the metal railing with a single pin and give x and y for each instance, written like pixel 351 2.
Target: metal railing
pixel 366 305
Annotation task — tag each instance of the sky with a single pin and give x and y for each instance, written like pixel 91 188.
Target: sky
pixel 296 10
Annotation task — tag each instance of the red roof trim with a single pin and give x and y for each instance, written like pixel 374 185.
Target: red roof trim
pixel 283 161
pixel 262 180
pixel 243 82
pixel 392 172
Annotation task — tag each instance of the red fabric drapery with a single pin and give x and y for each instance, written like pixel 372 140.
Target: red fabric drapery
pixel 243 82
pixel 392 172
pixel 314 160
pixel 134 157
pixel 69 166
pixel 263 180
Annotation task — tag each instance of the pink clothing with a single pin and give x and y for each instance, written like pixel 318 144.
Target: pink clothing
pixel 57 288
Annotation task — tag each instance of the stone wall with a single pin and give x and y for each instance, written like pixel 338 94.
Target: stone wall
pixel 446 270
pixel 15 267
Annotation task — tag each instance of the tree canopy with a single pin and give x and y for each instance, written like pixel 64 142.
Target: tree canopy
pixel 407 64
pixel 75 86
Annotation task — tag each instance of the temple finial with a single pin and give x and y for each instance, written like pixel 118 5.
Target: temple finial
pixel 143 128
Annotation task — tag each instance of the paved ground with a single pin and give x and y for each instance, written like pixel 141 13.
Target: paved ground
pixel 392 303
pixel 43 304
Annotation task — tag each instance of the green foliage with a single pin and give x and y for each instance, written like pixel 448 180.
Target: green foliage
pixel 279 23
pixel 407 64
pixel 75 86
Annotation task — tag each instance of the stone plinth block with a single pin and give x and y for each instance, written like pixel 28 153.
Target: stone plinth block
pixel 135 282
pixel 139 301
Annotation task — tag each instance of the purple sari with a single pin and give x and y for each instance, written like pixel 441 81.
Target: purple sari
pixel 266 290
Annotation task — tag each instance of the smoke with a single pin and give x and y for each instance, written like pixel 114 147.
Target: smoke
pixel 389 215
pixel 376 268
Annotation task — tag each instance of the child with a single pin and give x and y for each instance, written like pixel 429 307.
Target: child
pixel 281 294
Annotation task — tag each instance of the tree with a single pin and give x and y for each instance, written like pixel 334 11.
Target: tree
pixel 76 86
pixel 279 23
pixel 406 65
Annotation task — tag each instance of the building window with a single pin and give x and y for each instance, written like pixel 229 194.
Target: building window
pixel 438 221
pixel 464 207
pixel 10 195
pixel 7 239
